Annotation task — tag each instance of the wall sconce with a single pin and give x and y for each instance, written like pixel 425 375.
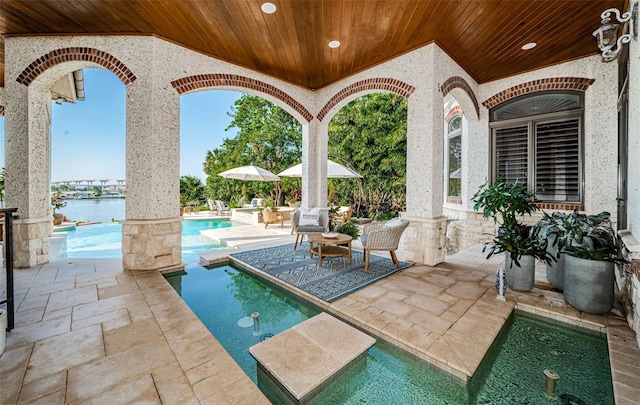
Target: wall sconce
pixel 607 34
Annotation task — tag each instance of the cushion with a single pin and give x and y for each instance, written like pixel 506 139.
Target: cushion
pixel 394 222
pixel 309 217
pixel 268 209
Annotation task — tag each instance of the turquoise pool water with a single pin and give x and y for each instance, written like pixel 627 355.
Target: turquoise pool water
pixel 224 296
pixel 105 240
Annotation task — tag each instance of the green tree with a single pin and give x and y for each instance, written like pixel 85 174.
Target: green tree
pixel 268 137
pixel 370 135
pixel 191 189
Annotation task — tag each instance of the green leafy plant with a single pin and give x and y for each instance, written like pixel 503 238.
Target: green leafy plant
pixel 504 203
pixel 348 228
pixel 57 202
pixel 590 237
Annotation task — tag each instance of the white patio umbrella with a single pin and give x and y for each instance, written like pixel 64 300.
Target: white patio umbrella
pixel 249 173
pixel 334 170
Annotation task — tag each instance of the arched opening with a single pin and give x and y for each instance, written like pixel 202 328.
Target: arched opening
pixel 88 162
pixel 369 135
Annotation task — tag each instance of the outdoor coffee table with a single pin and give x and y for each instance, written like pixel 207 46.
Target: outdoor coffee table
pixel 329 247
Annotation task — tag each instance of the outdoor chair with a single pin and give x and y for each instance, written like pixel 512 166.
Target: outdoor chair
pixel 213 208
pixel 272 217
pixel 302 229
pixel 382 236
pixel 344 213
pixel 222 207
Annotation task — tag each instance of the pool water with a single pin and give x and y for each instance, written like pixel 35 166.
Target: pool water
pixel 105 240
pixel 512 371
pixel 224 297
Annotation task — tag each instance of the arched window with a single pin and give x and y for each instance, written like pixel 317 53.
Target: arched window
pixel 454 158
pixel 537 139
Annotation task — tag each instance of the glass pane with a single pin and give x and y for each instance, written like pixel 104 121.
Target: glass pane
pixel 511 154
pixel 558 160
pixel 455 164
pixel 455 124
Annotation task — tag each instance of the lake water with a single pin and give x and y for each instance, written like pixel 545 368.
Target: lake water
pixel 100 210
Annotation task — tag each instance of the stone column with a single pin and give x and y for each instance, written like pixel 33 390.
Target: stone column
pixel 424 240
pixel 27 163
pixel 314 164
pixel 151 233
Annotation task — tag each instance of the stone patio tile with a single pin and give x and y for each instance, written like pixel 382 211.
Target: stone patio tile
pixel 32 303
pixel 429 321
pixel 131 391
pixel 413 335
pixel 58 313
pixel 110 320
pixel 90 379
pixel 392 307
pixel 256 398
pixel 381 321
pixel 466 290
pixel 11 382
pixel 343 302
pixel 367 314
pixel 624 392
pixel 630 380
pixel 433 305
pixel 40 330
pixel 13 365
pixel 411 286
pixel 354 308
pixel 211 367
pixel 45 289
pixel 134 302
pixel 443 280
pixel 191 360
pixel 64 299
pixel 212 384
pixel 440 351
pixel 370 293
pixel 64 351
pixel 50 398
pixel 119 289
pixel 45 385
pixel 593 319
pixel 397 327
pixel 426 341
pixel 233 393
pixel 132 335
pixel 29 317
pixel 173 387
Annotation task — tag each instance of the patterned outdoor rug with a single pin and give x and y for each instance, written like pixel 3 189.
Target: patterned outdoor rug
pixel 335 279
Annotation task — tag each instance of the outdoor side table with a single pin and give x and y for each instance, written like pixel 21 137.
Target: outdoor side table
pixel 330 247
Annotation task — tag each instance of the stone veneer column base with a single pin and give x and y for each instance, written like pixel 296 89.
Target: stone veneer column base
pixel 31 241
pixel 628 281
pixel 424 240
pixel 152 244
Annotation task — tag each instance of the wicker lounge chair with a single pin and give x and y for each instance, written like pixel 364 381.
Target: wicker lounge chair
pixel 382 236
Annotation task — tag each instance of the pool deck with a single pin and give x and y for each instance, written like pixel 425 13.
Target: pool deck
pixel 89 332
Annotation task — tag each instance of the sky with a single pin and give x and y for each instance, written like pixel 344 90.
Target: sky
pixel 88 137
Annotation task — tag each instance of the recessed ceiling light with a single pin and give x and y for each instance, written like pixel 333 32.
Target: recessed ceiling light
pixel 334 44
pixel 528 46
pixel 268 8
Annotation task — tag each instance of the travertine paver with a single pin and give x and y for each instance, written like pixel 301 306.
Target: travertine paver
pixel 321 346
pixel 87 331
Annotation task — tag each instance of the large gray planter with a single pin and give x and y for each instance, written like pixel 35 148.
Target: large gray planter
pixel 588 284
pixel 520 278
pixel 555 270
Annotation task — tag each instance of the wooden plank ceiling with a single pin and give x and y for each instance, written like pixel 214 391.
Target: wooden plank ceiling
pixel 484 36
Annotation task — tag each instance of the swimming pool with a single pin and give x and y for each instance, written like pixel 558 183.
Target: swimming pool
pixel 223 297
pixel 105 240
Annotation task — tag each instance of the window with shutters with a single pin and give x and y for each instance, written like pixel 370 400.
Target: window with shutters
pixel 537 140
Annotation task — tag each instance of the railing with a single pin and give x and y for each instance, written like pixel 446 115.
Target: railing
pixel 8 259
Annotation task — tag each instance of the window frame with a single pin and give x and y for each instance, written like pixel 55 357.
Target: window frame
pixel 531 121
pixel 447 139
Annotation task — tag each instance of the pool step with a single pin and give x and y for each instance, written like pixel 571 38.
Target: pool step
pixel 301 359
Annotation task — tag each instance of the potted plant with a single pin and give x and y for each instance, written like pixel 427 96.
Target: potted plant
pixel 504 203
pixel 57 202
pixel 348 228
pixel 551 230
pixel 591 248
